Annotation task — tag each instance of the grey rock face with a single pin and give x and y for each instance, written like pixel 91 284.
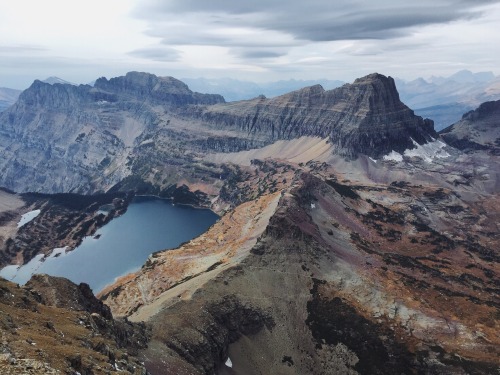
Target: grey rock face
pixel 365 117
pixel 478 130
pixel 66 138
pixel 159 90
pixel 60 292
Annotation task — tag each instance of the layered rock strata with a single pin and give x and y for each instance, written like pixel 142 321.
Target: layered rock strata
pixel 66 138
pixel 365 117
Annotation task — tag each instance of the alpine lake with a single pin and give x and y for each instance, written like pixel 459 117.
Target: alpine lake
pixel 122 246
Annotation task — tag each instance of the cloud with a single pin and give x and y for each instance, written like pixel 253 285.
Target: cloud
pixel 161 54
pixel 20 49
pixel 253 54
pixel 313 20
pixel 258 40
pixel 260 31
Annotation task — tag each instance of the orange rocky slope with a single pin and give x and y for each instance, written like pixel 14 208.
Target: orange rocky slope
pixel 345 278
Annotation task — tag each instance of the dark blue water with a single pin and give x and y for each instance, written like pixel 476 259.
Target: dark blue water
pixel 150 224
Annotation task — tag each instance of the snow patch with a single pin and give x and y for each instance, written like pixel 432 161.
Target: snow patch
pixel 228 362
pixel 393 156
pixel 27 217
pixel 146 142
pixel 372 159
pixel 428 151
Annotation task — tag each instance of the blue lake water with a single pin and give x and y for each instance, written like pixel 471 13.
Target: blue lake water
pixel 150 224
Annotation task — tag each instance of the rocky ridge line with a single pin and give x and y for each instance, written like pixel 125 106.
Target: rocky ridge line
pixel 365 117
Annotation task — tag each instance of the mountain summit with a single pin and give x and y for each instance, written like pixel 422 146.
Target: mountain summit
pixel 365 117
pixel 160 90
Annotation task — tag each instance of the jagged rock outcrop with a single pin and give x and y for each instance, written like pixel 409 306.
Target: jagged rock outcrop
pixel 54 326
pixel 60 292
pixel 158 90
pixel 365 117
pixel 478 130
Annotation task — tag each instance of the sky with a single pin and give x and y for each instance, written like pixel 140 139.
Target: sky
pixel 256 40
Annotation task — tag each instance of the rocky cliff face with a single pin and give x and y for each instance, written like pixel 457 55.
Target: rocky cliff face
pixel 66 138
pixel 365 117
pixel 478 130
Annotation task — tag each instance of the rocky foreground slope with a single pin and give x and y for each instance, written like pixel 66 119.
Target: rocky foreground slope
pixel 345 277
pixel 52 326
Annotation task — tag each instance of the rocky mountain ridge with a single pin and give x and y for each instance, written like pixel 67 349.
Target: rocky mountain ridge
pixel 478 129
pixel 365 117
pixel 158 90
pixel 133 125
pixel 66 138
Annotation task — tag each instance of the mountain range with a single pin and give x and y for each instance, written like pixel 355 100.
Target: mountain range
pixel 235 90
pixel 129 125
pixel 446 99
pixel 353 238
pixel 442 99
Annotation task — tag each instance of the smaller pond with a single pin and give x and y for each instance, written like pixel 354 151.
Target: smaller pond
pixel 121 246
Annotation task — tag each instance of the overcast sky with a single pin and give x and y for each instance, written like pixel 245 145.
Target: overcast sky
pixel 256 40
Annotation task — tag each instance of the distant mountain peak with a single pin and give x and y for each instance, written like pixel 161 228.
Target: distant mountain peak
pixel 477 130
pixel 53 80
pixel 466 76
pixel 141 85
